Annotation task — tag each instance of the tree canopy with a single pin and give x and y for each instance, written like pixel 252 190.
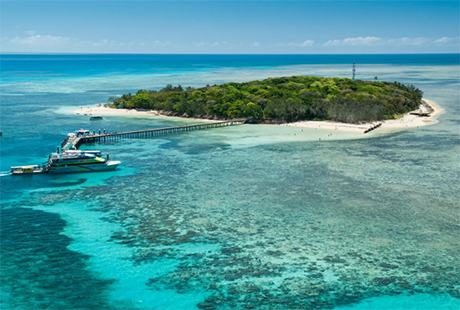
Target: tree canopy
pixel 284 98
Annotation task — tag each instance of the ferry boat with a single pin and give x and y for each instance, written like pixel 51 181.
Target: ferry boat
pixel 79 161
pixel 68 162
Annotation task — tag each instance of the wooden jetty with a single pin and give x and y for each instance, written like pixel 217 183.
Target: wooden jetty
pixel 76 142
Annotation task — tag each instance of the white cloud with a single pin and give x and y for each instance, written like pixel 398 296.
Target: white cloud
pixel 207 44
pixel 376 41
pixel 41 40
pixel 307 43
pixel 101 42
pixel 161 43
pixel 355 41
pixel 30 32
pixel 303 44
pixel 255 44
pixel 409 41
pixel 443 40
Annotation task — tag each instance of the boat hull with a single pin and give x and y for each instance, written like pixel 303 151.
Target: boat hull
pixel 96 167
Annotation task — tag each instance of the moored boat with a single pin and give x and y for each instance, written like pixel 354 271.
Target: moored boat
pixel 31 169
pixel 95 118
pixel 68 162
pixel 80 161
pixel 82 133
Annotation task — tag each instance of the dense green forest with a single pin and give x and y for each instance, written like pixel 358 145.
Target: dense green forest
pixel 284 99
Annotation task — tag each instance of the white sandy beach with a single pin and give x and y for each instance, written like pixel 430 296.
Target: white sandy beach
pixel 103 111
pixel 109 111
pixel 407 121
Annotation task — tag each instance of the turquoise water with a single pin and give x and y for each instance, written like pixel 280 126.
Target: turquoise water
pixel 256 217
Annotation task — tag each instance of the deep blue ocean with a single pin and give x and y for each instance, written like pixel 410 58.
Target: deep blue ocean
pixel 244 217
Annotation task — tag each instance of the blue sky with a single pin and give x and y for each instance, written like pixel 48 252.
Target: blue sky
pixel 230 27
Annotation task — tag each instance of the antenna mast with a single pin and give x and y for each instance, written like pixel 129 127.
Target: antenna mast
pixel 354 71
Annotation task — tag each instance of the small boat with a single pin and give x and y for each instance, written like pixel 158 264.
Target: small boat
pixel 32 169
pixel 95 118
pixel 82 133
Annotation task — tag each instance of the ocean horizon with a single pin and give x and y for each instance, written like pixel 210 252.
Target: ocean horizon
pixel 245 217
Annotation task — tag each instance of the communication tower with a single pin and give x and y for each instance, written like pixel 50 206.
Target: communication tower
pixel 354 71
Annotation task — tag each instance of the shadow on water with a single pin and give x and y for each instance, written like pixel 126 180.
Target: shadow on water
pixel 64 184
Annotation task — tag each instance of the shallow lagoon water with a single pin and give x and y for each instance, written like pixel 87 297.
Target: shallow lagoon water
pixel 404 302
pixel 259 217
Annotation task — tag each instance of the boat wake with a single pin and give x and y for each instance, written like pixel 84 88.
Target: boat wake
pixel 4 173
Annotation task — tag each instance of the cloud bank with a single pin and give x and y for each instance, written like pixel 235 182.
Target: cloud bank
pixel 376 41
pixel 32 42
pixel 41 40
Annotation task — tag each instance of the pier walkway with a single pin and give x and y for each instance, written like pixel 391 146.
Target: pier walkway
pixel 149 133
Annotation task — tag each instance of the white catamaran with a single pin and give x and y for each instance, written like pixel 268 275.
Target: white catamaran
pixel 68 162
pixel 79 161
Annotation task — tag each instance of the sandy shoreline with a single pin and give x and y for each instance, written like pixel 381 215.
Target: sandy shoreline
pixel 407 121
pixel 103 111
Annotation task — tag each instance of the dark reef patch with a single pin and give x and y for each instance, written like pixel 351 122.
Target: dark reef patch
pixel 32 242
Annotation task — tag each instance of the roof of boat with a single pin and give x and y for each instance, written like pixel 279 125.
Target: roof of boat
pixel 82 151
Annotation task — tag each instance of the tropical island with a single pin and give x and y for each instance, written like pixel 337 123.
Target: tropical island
pixel 286 99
